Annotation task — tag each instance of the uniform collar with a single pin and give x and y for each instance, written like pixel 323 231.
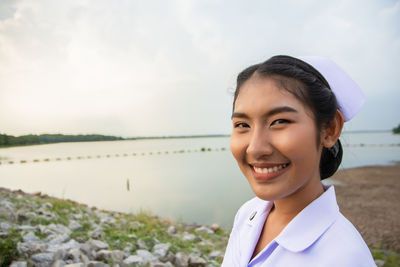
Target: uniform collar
pixel 310 223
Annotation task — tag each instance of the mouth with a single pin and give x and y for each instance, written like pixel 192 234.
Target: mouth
pixel 268 171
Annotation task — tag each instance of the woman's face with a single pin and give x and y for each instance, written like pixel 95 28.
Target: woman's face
pixel 274 140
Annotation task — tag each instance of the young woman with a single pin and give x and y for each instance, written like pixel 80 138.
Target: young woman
pixel 287 118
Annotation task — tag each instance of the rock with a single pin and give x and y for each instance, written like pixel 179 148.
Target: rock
pixel 133 261
pixel 97 233
pixel 171 230
pixel 160 264
pixel 215 254
pixel 379 263
pixel 57 239
pixel 58 263
pixel 30 237
pixel 188 237
pixel 5 225
pixel 97 264
pixel 26 228
pixel 181 259
pixel 87 249
pixel 79 264
pixel 97 244
pixel 48 205
pixel 77 216
pixel 74 225
pixel 64 246
pixel 74 254
pixel 146 255
pixel 203 229
pixel 22 216
pixel 59 229
pixel 214 227
pixel 19 264
pixel 29 248
pixel 141 244
pixel 43 258
pixel 196 261
pixel 6 213
pixel 161 250
pixel 114 255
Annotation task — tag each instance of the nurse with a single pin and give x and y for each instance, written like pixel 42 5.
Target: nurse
pixel 287 117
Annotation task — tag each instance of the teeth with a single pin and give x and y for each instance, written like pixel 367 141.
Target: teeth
pixel 268 170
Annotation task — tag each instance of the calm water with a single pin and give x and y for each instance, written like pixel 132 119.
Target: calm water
pixel 172 178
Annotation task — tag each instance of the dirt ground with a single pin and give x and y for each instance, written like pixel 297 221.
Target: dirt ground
pixel 370 198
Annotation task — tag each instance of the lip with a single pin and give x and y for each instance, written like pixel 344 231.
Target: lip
pixel 263 177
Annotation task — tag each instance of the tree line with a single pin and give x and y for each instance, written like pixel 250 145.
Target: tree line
pixel 33 139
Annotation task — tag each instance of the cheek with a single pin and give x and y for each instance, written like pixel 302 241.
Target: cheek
pixel 237 147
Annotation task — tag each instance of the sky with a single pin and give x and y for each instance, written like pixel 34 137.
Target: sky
pixel 154 68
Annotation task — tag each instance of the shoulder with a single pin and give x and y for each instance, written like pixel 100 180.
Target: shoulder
pixel 343 244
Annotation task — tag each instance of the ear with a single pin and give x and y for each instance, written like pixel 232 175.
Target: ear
pixel 332 132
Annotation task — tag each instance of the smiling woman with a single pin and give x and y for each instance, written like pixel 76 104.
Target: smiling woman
pixel 286 127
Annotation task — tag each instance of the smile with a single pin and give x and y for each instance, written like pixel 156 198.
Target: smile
pixel 271 169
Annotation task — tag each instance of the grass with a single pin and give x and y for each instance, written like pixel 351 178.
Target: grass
pixel 8 248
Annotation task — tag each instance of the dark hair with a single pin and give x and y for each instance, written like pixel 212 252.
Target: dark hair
pixel 311 88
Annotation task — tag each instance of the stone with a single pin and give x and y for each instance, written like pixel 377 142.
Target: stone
pixel 19 264
pixel 75 226
pixel 141 244
pixel 161 250
pixel 58 263
pixel 97 233
pixel 78 264
pixel 214 227
pixel 57 239
pixel 97 244
pixel 171 230
pixel 160 264
pixel 48 205
pixel 188 237
pixel 215 254
pixel 196 261
pixel 133 260
pixel 29 248
pixel 203 229
pixel 97 264
pixel 114 255
pixel 380 263
pixel 5 225
pixel 181 260
pixel 74 254
pixel 26 228
pixel 30 236
pixel 59 229
pixel 146 255
pixel 64 246
pixel 43 258
pixel 77 216
pixel 87 249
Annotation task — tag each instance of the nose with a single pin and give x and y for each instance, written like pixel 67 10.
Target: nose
pixel 259 144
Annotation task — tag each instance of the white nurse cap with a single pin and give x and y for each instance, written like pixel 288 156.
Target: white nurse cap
pixel 348 94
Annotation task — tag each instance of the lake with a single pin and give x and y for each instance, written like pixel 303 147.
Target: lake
pixel 194 180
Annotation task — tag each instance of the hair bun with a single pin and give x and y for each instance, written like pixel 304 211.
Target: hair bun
pixel 330 160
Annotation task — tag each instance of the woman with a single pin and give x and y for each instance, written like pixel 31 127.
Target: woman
pixel 287 118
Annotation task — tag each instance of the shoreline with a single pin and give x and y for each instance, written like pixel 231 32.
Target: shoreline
pixel 45 230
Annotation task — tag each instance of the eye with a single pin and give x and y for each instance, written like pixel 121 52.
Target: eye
pixel 279 121
pixel 241 125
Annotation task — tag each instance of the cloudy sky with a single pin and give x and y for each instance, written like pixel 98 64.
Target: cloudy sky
pixel 140 68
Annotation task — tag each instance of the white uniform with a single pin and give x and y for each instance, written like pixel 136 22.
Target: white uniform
pixel 318 236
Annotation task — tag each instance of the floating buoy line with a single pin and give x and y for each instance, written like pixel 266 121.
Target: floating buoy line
pixel 151 153
pixel 134 154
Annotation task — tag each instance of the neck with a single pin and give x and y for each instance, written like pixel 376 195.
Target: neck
pixel 288 207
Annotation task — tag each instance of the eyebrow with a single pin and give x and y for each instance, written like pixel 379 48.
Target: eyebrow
pixel 268 114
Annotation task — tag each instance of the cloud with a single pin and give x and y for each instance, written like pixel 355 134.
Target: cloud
pixel 166 67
